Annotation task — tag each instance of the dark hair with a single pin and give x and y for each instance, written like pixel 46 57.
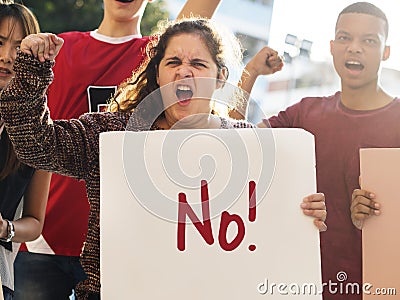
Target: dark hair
pixel 21 14
pixel 18 13
pixel 144 80
pixel 367 9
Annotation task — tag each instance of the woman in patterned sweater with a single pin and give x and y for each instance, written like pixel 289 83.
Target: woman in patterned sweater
pixel 186 51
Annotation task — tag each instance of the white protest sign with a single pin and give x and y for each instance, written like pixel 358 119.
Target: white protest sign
pixel 1 292
pixel 225 247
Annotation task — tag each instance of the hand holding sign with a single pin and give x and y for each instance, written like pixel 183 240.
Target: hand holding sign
pixel 229 245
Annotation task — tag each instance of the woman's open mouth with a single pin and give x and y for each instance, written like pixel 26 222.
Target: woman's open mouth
pixel 184 94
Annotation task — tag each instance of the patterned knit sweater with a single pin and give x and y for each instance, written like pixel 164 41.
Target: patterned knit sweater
pixel 67 147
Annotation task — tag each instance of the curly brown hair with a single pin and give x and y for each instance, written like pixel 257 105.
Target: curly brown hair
pixel 143 82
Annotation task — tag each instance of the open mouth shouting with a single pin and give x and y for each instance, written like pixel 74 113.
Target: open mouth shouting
pixel 354 66
pixel 184 94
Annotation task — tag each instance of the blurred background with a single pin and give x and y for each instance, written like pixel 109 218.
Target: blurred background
pixel 299 30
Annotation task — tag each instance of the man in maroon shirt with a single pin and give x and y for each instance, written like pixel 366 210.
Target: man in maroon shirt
pixel 361 115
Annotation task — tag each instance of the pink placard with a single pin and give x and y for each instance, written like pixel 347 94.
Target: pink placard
pixel 380 174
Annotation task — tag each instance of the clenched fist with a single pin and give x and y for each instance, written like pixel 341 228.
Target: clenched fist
pixel 43 46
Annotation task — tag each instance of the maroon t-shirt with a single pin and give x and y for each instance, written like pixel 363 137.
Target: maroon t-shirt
pixel 339 134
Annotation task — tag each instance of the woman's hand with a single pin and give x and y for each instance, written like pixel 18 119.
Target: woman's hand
pixel 362 207
pixel 43 46
pixel 314 206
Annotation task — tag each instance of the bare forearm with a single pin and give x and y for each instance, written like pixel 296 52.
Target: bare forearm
pixel 246 83
pixel 266 61
pixel 199 8
pixel 30 225
pixel 27 229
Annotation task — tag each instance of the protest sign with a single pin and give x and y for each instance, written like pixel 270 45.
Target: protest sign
pixel 237 194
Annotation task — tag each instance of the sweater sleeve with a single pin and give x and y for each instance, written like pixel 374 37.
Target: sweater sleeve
pixel 65 147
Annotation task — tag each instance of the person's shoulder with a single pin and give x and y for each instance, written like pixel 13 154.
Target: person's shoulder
pixel 144 40
pixel 393 106
pixel 321 99
pixel 317 102
pixel 74 35
pixel 123 41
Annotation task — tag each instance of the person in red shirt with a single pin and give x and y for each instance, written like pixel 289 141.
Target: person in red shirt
pixel 88 69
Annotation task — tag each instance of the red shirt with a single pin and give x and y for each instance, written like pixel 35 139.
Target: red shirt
pixel 87 71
